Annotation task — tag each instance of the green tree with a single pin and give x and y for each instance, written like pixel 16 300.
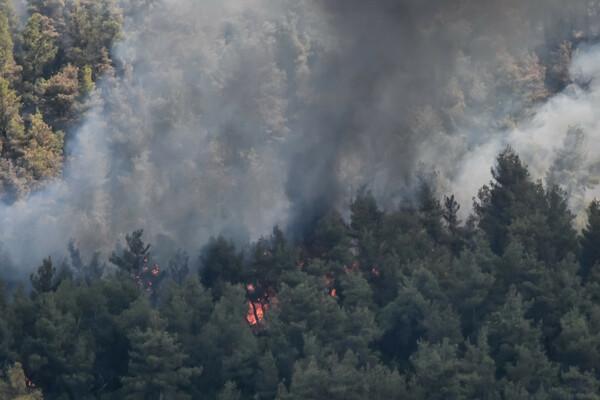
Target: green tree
pixel 7 9
pixel 9 70
pixel 579 340
pixel 20 319
pixel 156 361
pixel 577 385
pixel 456 233
pixel 179 267
pixel 365 213
pixel 220 264
pixel 340 378
pixel 53 9
pixel 480 369
pixel 365 222
pixel 438 372
pixel 94 27
pixel 15 385
pixel 431 214
pixel 11 124
pixel 6 339
pixel 60 95
pixel 229 392
pixel 187 310
pixel 590 238
pixel 511 195
pixel 229 350
pixel 517 348
pixel 44 280
pixel 43 149
pixel 135 260
pixel 402 323
pixel 310 306
pixel 470 282
pixel 132 258
pixel 268 377
pixel 59 356
pixel 39 37
pixel 156 368
pixel 86 82
pixel 332 239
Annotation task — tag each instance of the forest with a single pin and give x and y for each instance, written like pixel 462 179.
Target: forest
pixel 410 304
pixel 143 143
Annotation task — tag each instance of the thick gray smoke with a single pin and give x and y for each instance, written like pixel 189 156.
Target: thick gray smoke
pixel 233 116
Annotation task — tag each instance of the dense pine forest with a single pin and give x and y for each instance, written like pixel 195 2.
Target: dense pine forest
pixel 408 304
pixel 144 143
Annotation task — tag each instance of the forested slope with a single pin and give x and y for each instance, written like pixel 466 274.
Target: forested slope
pixel 212 116
pixel 406 304
pixel 48 66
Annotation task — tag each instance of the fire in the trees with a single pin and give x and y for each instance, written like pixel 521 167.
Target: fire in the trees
pixel 148 276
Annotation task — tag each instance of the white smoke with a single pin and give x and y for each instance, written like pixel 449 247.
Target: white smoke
pixel 189 142
pixel 538 139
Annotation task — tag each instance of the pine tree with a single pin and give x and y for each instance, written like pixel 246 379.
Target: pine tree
pixel 517 348
pixel 590 238
pixel 230 392
pixel 365 223
pixel 59 355
pixel 431 214
pixel 268 378
pixel 366 216
pixel 44 280
pixel 136 261
pixel 156 364
pixel 480 370
pixel 11 124
pixel 9 70
pixel 7 9
pixel 39 38
pixel 178 267
pixel 42 150
pixel 438 372
pixel 94 26
pixel 450 215
pixel 511 195
pixel 229 350
pixel 60 94
pixel 15 386
pixel 220 263
pixel 579 340
pixel 53 9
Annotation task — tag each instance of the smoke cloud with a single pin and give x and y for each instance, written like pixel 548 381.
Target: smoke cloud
pixel 228 117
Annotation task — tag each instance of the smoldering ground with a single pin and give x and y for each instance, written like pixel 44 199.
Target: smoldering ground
pixel 233 116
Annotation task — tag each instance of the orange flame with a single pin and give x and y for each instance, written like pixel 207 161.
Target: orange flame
pixel 250 315
pixel 256 312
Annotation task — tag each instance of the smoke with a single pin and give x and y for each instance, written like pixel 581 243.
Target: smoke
pixel 559 138
pixel 233 116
